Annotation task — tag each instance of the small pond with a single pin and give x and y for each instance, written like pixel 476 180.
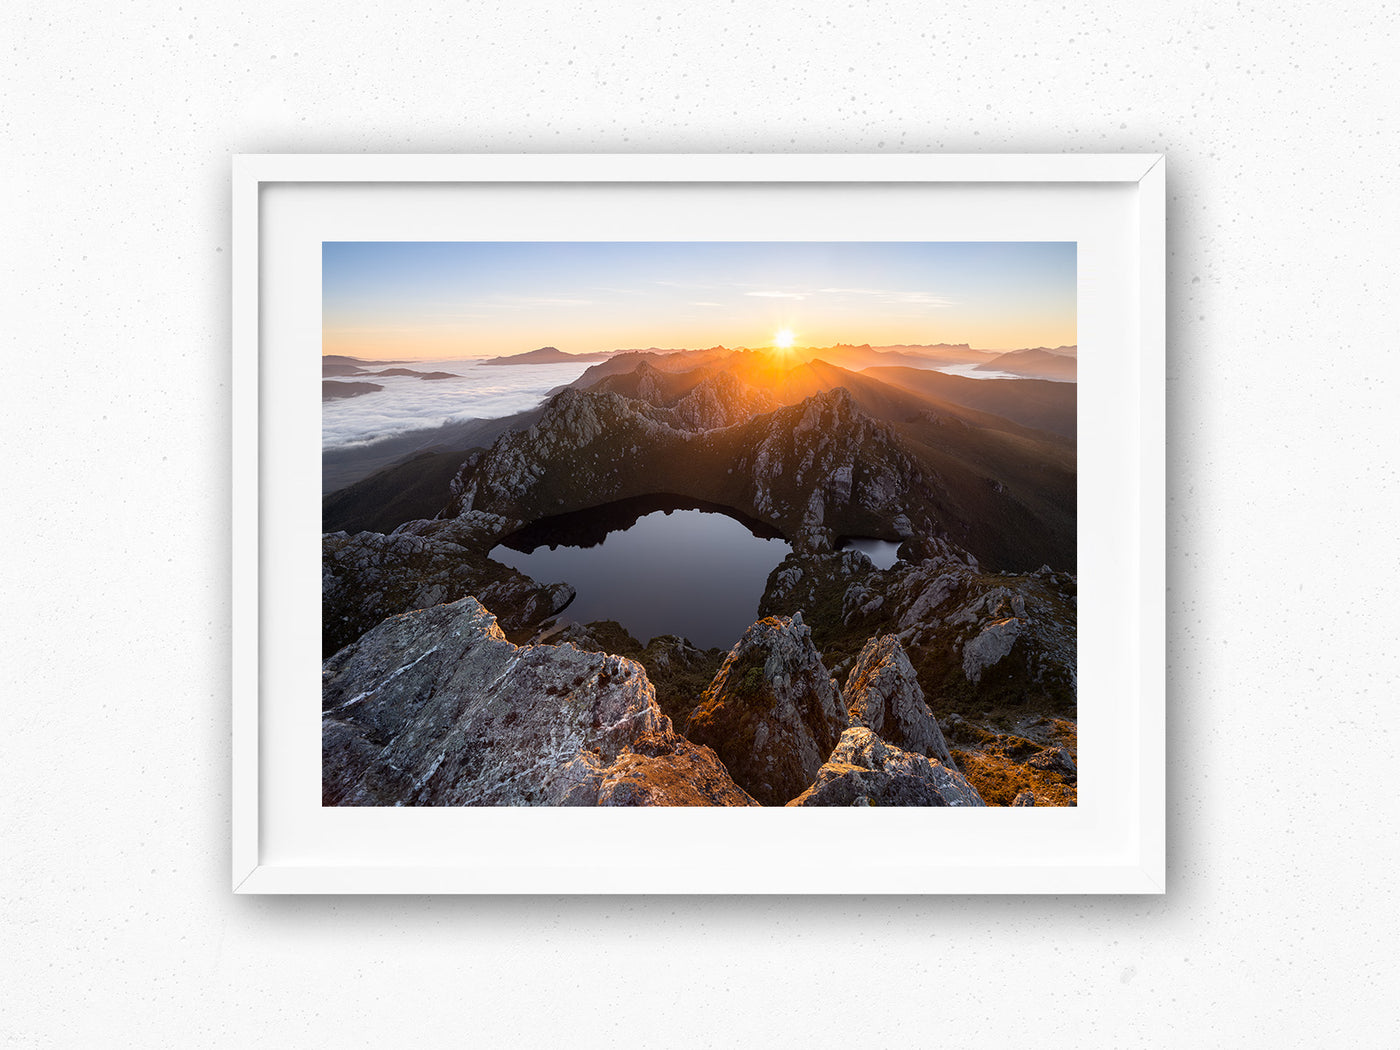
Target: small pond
pixel 882 552
pixel 656 565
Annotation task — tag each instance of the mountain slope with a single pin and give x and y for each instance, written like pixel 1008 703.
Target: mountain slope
pixel 1036 403
pixel 415 488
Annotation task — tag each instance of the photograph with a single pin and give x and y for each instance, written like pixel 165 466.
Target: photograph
pixel 699 523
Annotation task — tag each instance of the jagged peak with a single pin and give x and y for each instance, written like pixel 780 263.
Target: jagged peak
pixel 883 694
pixel 570 399
pixel 832 409
pixel 837 397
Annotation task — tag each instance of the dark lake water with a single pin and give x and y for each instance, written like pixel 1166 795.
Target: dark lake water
pixel 882 552
pixel 656 565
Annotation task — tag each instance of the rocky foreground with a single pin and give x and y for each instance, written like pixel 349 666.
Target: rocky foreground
pixel 438 708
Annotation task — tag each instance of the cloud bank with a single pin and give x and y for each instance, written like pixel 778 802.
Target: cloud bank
pixel 408 403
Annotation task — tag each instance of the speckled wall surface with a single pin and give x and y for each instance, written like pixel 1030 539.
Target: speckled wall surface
pixel 1281 920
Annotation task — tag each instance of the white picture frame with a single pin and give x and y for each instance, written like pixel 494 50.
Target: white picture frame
pixel 1112 205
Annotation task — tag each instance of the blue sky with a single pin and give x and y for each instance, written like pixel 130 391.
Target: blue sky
pixel 465 299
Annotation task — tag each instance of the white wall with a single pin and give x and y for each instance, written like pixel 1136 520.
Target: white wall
pixel 1280 924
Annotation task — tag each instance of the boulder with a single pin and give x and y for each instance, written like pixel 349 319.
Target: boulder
pixel 864 770
pixel 666 769
pixel 989 647
pixel 772 713
pixel 883 694
pixel 437 708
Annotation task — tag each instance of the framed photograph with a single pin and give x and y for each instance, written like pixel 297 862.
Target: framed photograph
pixel 698 524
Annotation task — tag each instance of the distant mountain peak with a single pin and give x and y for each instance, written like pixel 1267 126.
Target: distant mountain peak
pixel 545 355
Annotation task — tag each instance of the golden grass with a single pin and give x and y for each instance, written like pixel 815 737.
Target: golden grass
pixel 999 779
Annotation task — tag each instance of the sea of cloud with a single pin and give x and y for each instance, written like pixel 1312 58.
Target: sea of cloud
pixel 971 372
pixel 408 403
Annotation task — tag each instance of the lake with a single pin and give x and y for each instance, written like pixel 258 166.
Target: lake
pixel 656 565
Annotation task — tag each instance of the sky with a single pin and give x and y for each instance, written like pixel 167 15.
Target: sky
pixel 450 299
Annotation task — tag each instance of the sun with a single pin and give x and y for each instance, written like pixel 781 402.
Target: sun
pixel 783 338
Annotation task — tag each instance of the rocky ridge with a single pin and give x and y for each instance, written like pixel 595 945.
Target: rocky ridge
pixel 810 469
pixel 368 576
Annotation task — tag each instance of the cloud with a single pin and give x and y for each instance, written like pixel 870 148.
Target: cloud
pixel 407 403
pixel 706 304
pixel 889 295
pixel 527 300
pixel 778 295
pixel 921 299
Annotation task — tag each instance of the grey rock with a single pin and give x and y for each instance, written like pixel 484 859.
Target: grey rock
pixel 1024 798
pixel 883 694
pixel 989 647
pixel 864 767
pixel 437 708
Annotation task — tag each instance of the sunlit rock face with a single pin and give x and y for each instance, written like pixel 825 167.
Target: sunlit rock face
pixel 437 708
pixel 883 694
pixel 720 401
pixel 702 400
pixel 772 713
pixel 864 770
